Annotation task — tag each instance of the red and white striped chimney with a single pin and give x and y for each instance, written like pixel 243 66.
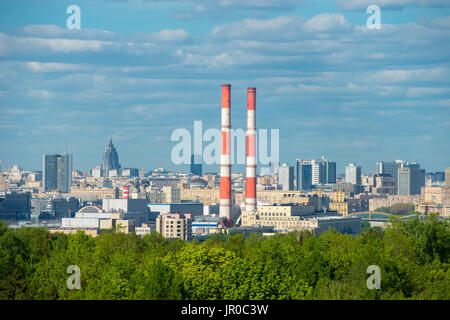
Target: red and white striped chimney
pixel 125 192
pixel 225 157
pixel 250 165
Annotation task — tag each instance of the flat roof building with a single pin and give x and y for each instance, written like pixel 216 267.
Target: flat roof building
pixel 174 226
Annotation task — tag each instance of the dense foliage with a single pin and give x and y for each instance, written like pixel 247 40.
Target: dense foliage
pixel 398 209
pixel 413 257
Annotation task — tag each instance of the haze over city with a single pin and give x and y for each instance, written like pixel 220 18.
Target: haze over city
pixel 138 72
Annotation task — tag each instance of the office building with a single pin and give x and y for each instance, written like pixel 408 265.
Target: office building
pixel 174 226
pixel 330 171
pixel 196 165
pixel 15 205
pixel 318 167
pixel 391 168
pixel 410 179
pixel 57 172
pixel 353 174
pixel 304 175
pixel 286 177
pixel 315 172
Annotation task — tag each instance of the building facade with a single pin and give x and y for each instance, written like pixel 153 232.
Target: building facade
pixel 57 172
pixel 286 177
pixel 304 175
pixel 175 226
pixel 353 174
pixel 410 179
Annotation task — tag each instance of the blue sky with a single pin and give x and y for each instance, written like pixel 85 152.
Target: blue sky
pixel 139 69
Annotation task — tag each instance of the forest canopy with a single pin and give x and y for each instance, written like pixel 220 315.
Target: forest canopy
pixel 413 257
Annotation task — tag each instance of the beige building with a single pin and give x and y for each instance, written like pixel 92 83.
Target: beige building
pixel 435 200
pixel 94 193
pixel 267 180
pixel 389 200
pixel 171 194
pixel 145 228
pixel 211 196
pixel 338 203
pixel 174 225
pixel 205 196
pixel 286 218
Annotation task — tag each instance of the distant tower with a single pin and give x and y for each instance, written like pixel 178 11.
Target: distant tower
pixel 110 159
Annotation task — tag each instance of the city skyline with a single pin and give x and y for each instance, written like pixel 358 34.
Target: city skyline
pixel 137 70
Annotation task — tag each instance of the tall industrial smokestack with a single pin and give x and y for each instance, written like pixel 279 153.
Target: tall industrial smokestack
pixel 225 158
pixel 250 167
pixel 125 192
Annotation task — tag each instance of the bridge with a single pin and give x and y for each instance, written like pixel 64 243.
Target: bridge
pixel 380 216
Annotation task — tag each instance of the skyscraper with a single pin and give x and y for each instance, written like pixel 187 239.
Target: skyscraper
pixel 391 168
pixel 304 175
pixel 330 169
pixel 353 174
pixel 318 171
pixel 57 172
pixel 110 159
pixel 196 165
pixel 286 177
pixel 410 179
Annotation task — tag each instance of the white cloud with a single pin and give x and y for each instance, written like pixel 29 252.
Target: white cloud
pixel 327 22
pixel 166 35
pixel 421 92
pixel 36 66
pixel 403 75
pixel 41 94
pixel 388 4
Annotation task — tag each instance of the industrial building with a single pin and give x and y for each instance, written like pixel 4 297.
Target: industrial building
pixel 193 208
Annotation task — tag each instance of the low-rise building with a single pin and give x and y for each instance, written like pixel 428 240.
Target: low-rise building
pixel 15 205
pixel 389 200
pixel 174 226
pixel 289 218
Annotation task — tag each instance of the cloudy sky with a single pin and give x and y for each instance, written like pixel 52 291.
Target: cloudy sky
pixel 139 69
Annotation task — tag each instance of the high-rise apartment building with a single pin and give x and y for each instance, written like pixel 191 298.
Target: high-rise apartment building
pixel 57 172
pixel 353 174
pixel 410 179
pixel 286 177
pixel 110 160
